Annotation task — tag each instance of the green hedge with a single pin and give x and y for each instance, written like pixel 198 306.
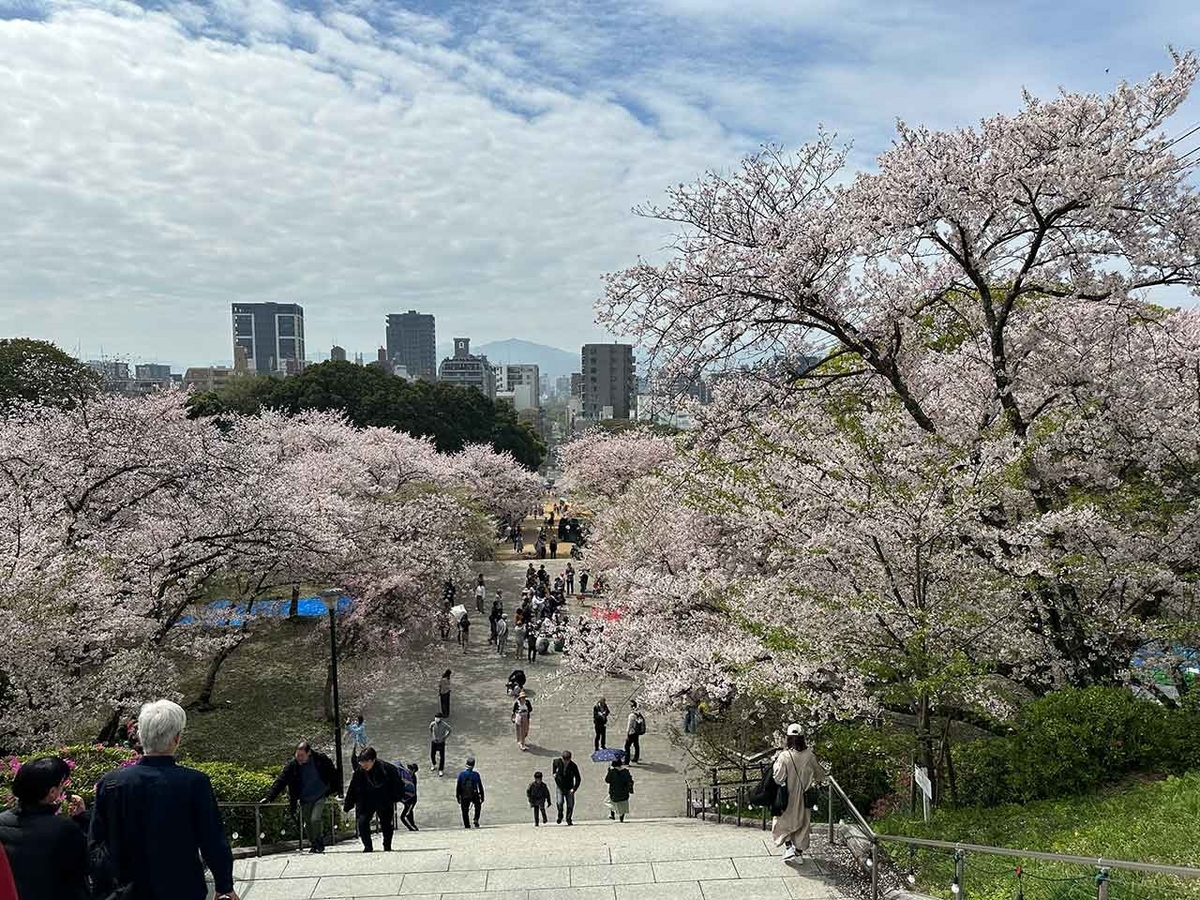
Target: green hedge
pixel 1071 741
pixel 869 763
pixel 1146 821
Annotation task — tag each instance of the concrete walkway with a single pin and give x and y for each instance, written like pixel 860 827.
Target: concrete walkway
pixel 398 719
pixel 678 859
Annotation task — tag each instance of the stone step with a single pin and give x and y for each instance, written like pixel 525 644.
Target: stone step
pixel 679 859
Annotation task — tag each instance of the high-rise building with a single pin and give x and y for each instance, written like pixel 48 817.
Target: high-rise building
pixel 152 372
pixel 411 343
pixel 576 384
pixel 466 370
pixel 337 354
pixel 609 382
pixel 271 335
pixel 523 382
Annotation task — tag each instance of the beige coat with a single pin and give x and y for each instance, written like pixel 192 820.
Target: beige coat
pixel 799 769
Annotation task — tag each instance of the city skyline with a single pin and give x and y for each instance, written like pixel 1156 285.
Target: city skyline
pixel 530 131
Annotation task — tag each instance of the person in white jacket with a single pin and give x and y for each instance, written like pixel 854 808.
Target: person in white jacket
pixel 797 767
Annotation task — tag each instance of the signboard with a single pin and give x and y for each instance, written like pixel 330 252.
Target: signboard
pixel 921 778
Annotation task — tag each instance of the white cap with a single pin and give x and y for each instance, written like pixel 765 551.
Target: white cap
pixel 794 730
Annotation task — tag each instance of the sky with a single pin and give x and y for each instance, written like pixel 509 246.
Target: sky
pixel 477 160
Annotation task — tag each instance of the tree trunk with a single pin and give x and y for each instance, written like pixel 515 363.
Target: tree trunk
pixel 204 700
pixel 294 608
pixel 108 734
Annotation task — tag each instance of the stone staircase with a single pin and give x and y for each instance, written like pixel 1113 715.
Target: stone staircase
pixel 671 859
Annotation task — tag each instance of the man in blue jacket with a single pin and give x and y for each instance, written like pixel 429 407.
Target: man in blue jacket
pixel 154 821
pixel 469 792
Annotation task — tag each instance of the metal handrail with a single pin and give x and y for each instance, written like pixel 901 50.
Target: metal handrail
pixel 875 838
pixel 258 807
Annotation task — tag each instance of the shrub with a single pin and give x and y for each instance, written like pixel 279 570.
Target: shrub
pixel 1073 740
pixel 869 763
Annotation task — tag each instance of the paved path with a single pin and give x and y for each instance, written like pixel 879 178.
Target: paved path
pixel 679 859
pixel 398 724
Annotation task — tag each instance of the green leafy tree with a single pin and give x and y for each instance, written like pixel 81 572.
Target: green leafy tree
pixel 38 372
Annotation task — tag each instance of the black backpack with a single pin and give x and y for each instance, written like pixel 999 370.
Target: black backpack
pixel 770 793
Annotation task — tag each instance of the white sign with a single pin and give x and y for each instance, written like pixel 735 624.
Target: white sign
pixel 921 777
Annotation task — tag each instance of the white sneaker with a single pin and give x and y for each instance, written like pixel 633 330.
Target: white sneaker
pixel 790 853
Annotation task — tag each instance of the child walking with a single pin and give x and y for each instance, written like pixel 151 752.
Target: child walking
pixel 539 797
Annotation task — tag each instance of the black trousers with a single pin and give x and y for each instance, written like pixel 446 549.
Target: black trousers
pixel 406 814
pixel 531 653
pixel 601 736
pixel 437 755
pixel 539 809
pixel 387 825
pixel 445 700
pixel 633 740
pixel 466 806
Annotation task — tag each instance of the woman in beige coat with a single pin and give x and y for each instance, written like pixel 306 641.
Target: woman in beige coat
pixel 797 767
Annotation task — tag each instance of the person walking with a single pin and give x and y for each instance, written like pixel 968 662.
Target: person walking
pixel 531 639
pixel 439 730
pixel 566 782
pixel 635 727
pixel 797 767
pixel 554 546
pixel 357 732
pixel 522 711
pixel 309 777
pixel 464 631
pixel 47 852
pixel 620 787
pixel 502 634
pixel 583 581
pixel 600 714
pixel 154 822
pixel 374 790
pixel 408 794
pixel 480 594
pixel 469 792
pixel 539 798
pixel 444 693
pixel 570 579
pixel 493 618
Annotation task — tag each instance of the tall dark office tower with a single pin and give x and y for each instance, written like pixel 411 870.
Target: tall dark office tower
pixel 271 335
pixel 608 381
pixel 410 343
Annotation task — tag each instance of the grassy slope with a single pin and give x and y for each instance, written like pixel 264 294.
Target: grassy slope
pixel 268 697
pixel 1147 821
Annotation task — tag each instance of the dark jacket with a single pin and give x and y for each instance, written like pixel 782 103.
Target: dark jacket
pixel 469 786
pixel 620 784
pixel 148 823
pixel 600 715
pixel 538 793
pixel 47 852
pixel 566 775
pixel 290 778
pixel 374 790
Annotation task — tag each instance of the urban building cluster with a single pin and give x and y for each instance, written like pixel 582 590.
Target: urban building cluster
pixel 269 339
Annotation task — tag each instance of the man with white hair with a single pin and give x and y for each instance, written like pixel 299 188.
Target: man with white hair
pixel 153 822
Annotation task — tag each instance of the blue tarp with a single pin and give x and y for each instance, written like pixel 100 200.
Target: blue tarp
pixel 234 614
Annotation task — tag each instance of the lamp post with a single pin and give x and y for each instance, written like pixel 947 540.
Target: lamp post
pixel 330 599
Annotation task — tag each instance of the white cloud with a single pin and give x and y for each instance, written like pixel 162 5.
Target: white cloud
pixel 477 161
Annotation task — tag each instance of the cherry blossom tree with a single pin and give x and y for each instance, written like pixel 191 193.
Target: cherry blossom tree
pixel 121 519
pixel 955 460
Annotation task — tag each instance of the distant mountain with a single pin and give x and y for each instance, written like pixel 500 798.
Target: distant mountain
pixel 551 361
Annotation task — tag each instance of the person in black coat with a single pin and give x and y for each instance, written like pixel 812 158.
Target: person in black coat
pixel 47 852
pixel 374 791
pixel 309 777
pixel 566 782
pixel 154 821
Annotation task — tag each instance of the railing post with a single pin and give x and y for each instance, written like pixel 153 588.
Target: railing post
pixel 257 830
pixel 1102 885
pixel 739 804
pixel 874 869
pixel 960 865
pixel 717 802
pixel 831 812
